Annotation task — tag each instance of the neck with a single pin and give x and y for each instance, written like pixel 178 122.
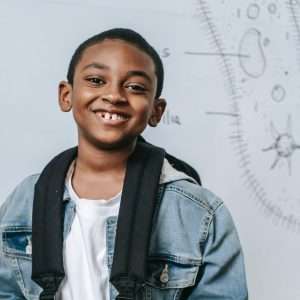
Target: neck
pixel 91 159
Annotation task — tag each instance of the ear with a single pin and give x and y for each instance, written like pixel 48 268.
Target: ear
pixel 159 107
pixel 65 96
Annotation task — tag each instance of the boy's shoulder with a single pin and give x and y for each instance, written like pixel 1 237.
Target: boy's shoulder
pixel 188 189
pixel 195 194
pixel 17 208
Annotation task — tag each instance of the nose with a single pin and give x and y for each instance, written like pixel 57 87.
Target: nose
pixel 113 95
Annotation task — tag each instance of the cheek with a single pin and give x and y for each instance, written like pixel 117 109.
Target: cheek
pixel 80 111
pixel 83 95
pixel 76 115
pixel 81 100
pixel 144 109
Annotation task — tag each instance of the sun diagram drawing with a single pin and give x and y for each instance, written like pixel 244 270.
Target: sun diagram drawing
pixel 284 145
pixel 257 45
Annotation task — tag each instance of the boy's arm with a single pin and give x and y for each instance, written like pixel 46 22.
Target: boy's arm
pixel 222 275
pixel 9 288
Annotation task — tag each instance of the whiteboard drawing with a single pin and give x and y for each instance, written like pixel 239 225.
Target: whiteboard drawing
pixel 284 144
pixel 253 11
pixel 250 41
pixel 278 93
pixel 254 62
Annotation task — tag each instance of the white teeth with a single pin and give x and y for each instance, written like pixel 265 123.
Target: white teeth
pixel 113 117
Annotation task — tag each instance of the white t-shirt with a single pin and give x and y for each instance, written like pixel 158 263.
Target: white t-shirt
pixel 85 262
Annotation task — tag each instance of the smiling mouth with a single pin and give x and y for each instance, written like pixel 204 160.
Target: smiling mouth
pixel 111 118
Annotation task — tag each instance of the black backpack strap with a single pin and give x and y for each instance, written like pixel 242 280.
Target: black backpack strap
pixel 47 225
pixel 134 226
pixel 50 284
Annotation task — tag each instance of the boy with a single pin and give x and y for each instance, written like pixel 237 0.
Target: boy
pixel 112 217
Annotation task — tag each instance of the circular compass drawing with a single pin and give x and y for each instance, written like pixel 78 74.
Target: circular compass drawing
pixel 263 90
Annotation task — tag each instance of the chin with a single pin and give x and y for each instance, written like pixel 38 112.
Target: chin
pixel 115 144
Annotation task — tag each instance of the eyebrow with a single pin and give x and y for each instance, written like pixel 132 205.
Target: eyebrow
pixel 96 66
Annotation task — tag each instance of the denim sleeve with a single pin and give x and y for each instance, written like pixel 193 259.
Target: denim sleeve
pixel 9 288
pixel 222 274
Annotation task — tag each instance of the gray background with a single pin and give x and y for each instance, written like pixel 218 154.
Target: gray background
pixel 232 86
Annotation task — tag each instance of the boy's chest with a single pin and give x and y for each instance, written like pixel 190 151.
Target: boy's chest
pixel 172 264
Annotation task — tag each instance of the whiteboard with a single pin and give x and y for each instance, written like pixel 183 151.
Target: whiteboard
pixel 233 92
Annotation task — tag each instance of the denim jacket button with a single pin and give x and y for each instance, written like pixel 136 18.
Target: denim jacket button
pixel 28 248
pixel 164 276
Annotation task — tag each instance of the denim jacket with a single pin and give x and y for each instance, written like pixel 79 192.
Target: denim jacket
pixel 194 251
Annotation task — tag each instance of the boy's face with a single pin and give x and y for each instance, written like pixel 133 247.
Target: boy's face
pixel 113 94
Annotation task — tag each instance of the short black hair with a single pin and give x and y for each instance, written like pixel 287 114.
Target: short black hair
pixel 128 35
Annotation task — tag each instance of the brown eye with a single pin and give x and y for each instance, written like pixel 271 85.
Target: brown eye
pixel 136 88
pixel 95 80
